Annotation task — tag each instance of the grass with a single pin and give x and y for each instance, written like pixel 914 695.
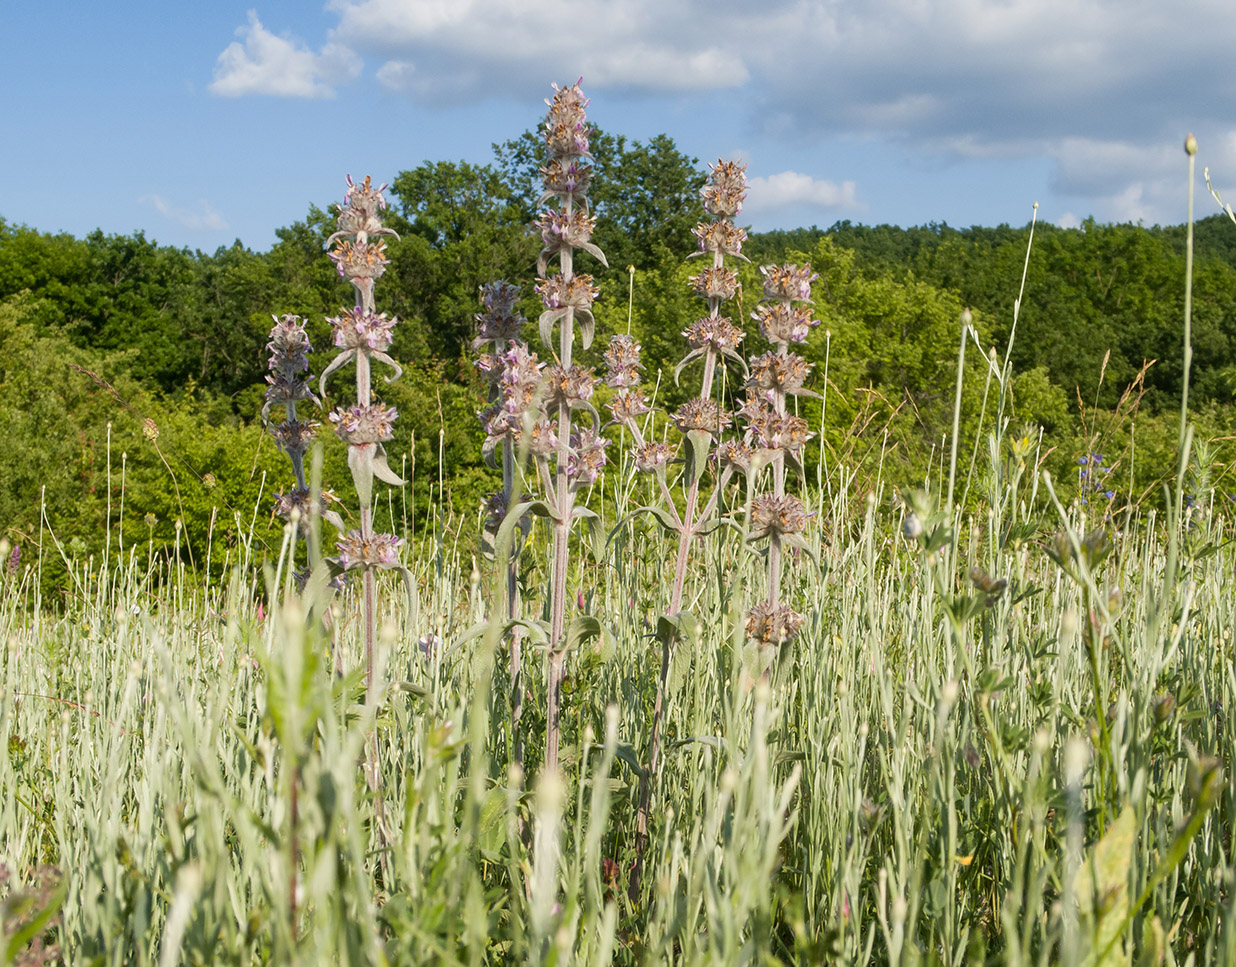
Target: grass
pixel 924 778
pixel 1002 737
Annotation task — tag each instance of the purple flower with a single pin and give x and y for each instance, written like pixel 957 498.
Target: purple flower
pixel 380 550
pixel 360 425
pixel 358 329
pixel 788 281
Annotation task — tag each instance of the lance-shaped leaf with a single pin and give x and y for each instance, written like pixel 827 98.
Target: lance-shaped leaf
pixel 382 470
pixel 595 541
pixel 689 357
pixel 586 628
pixel 683 624
pixel 669 521
pixel 699 445
pixel 506 532
pixel 546 324
pixel 335 363
pixel 383 358
pixel 587 326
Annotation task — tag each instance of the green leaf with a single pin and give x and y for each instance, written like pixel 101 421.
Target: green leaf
pixel 628 755
pixel 39 921
pixel 1102 888
pixel 491 831
pixel 506 531
pixel 681 625
pixel 596 541
pixel 689 357
pixel 584 629
pixel 797 540
pixel 660 514
pixel 699 445
pixel 679 668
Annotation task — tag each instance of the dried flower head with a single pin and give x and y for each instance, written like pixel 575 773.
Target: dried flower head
pixel 715 283
pixel 788 281
pixel 360 425
pixel 771 515
pixel 725 189
pixel 150 429
pixel 715 331
pixel 783 322
pixel 698 414
pixel 781 372
pixel 772 624
pixel 379 550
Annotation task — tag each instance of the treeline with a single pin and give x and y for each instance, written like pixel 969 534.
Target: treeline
pixel 114 348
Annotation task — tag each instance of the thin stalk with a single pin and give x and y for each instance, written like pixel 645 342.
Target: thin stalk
pixel 563 501
pixel 961 369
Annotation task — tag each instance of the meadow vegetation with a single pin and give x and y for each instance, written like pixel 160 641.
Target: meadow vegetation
pixel 928 659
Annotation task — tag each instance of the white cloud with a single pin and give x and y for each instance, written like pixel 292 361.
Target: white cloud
pixel 1096 87
pixel 793 189
pixel 280 65
pixel 1068 220
pixel 205 219
pixel 466 50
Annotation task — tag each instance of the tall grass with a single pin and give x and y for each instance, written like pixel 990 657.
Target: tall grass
pixel 993 741
pixel 922 778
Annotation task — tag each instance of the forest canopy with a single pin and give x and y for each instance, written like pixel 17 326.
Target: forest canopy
pixel 103 334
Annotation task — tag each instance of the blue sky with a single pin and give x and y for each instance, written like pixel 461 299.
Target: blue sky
pixel 200 123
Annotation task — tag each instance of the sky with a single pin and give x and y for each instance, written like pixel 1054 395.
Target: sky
pixel 202 123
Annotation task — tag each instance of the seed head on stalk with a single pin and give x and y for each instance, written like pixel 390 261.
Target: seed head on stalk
pixel 577 455
pixel 777 437
pixel 702 420
pixel 364 335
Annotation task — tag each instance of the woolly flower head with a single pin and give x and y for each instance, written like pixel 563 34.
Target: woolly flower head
pixel 576 292
pixel 771 515
pixel 715 283
pixel 787 281
pixel 784 322
pixel 289 345
pixel 360 260
pixel 713 331
pixel 361 425
pixel 379 550
pixel 566 125
pixel 622 362
pixel 358 329
pixel 725 189
pixel 772 624
pixel 359 212
pixel 720 237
